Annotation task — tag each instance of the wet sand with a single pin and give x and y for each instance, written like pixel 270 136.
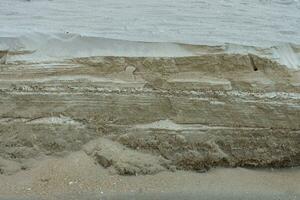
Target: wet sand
pixel 77 177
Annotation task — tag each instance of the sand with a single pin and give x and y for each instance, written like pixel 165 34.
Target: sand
pixel 76 176
pixel 141 99
pixel 216 125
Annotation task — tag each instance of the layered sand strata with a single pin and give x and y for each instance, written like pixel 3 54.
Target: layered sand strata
pixel 148 115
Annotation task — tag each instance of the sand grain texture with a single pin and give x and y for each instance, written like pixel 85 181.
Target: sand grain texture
pixel 65 128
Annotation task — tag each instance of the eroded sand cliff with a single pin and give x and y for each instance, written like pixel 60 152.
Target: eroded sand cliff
pixel 148 115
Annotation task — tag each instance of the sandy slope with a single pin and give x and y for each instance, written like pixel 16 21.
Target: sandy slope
pixel 77 177
pixel 148 124
pixel 56 48
pixel 85 117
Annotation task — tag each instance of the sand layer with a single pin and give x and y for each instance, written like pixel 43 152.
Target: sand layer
pixel 77 177
pixel 145 116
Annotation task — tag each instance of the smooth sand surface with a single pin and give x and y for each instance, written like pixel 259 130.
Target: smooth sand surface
pixel 77 177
